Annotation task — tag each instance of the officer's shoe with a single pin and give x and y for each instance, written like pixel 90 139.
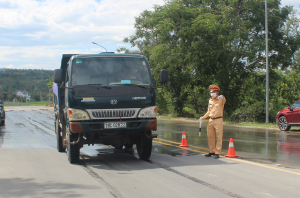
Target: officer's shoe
pixel 217 156
pixel 209 154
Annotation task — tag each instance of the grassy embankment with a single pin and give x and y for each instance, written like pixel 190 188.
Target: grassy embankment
pixel 195 118
pixel 243 124
pixel 40 103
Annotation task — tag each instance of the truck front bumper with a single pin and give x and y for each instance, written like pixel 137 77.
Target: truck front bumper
pixel 133 125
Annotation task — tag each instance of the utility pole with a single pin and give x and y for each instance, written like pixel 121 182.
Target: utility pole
pixel 267 64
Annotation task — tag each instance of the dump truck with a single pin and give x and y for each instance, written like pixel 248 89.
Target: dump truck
pixel 105 98
pixel 2 111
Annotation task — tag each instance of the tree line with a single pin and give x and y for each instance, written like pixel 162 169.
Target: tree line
pixel 222 42
pixel 33 81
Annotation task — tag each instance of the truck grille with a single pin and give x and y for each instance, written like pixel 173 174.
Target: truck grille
pixel 113 113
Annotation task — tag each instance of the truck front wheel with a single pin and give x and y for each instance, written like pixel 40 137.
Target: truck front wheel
pixel 73 150
pixel 59 139
pixel 144 145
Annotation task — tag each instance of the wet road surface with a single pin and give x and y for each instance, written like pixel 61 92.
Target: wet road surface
pixel 255 144
pixel 31 166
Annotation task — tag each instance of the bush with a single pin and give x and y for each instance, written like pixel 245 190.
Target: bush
pixel 251 113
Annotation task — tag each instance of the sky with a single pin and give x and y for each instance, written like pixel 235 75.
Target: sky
pixel 35 33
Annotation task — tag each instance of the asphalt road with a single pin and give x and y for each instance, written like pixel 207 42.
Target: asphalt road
pixel 31 167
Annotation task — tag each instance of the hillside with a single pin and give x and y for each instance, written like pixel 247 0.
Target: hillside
pixel 31 80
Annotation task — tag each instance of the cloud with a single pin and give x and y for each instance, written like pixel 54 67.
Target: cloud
pixel 56 22
pixel 7 66
pixel 39 56
pixel 35 33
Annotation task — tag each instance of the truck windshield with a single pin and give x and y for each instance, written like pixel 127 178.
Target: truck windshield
pixel 110 71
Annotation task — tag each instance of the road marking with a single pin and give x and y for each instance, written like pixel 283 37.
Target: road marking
pixel 179 147
pixel 265 166
pixel 234 159
pixel 167 141
pixel 180 143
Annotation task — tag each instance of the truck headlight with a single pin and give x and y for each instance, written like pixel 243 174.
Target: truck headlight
pixel 77 114
pixel 149 112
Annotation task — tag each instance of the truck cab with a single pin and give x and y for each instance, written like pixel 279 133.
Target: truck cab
pixel 106 99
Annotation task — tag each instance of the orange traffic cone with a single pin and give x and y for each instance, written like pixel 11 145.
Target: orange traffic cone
pixel 183 141
pixel 231 152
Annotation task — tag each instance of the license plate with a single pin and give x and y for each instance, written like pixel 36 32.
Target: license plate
pixel 114 125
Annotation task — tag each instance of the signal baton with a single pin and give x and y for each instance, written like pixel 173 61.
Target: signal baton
pixel 200 128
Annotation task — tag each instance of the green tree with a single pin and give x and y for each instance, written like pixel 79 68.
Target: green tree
pixel 292 29
pixel 202 42
pixel 30 80
pixel 36 97
pixel 50 82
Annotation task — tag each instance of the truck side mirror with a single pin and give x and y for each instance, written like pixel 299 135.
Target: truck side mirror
pixel 164 76
pixel 58 76
pixel 291 108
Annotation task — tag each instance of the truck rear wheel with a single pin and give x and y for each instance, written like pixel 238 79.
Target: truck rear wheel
pixel 2 122
pixel 59 139
pixel 73 150
pixel 144 145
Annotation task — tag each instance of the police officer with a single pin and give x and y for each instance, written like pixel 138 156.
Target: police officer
pixel 215 123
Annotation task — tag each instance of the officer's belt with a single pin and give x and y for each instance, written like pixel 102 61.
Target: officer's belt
pixel 216 118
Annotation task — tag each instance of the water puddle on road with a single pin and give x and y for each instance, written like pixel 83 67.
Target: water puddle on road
pixel 96 149
pixel 254 144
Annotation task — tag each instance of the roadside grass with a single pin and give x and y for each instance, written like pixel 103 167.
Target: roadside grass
pixel 253 124
pixel 39 103
pixel 242 124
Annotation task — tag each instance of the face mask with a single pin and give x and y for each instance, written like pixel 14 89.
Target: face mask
pixel 213 95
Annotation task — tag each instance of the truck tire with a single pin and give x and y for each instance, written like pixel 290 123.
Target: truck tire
pixel 144 145
pixel 73 150
pixel 59 139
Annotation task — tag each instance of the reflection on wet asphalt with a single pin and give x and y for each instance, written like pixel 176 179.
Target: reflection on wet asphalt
pixel 35 129
pixel 263 145
pixel 21 130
